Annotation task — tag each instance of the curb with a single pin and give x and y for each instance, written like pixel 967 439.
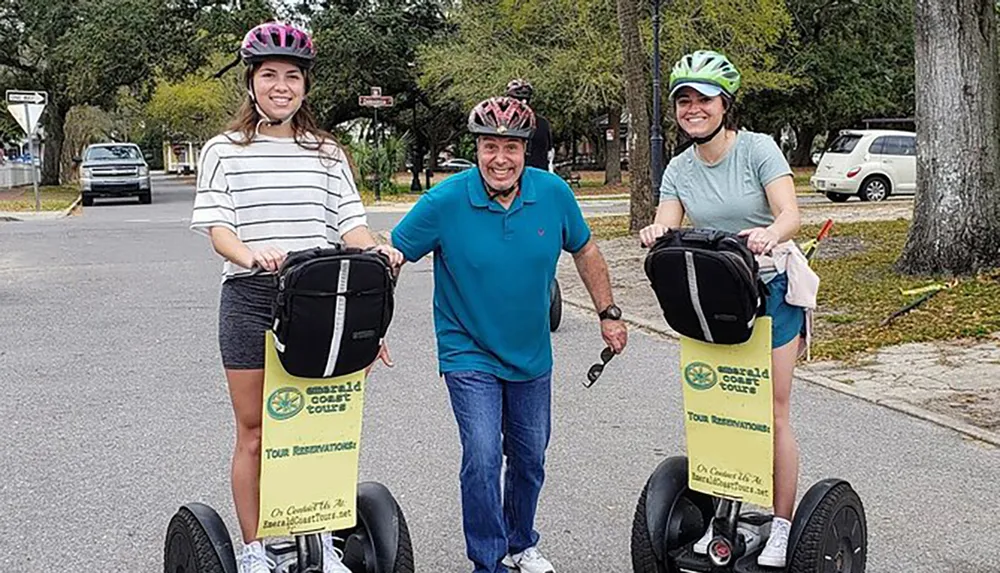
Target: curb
pixel 68 210
pixel 968 430
pixel 13 216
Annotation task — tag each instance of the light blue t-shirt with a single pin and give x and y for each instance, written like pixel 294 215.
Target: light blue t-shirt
pixel 729 195
pixel 493 268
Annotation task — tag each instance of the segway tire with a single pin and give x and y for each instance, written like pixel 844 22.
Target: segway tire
pixel 667 517
pixel 380 541
pixel 829 530
pixel 198 542
pixel 555 305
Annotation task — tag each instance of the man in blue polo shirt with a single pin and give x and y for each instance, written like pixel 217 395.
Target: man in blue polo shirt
pixel 496 233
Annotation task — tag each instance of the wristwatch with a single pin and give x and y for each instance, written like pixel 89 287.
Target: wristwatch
pixel 611 313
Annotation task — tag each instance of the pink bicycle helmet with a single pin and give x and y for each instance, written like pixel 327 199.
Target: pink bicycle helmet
pixel 278 40
pixel 502 117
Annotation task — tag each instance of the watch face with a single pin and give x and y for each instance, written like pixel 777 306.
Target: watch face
pixel 613 312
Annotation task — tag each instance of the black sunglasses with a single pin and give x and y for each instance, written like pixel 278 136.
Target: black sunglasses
pixel 595 371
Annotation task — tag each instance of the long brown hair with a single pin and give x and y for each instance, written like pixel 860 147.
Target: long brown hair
pixel 307 132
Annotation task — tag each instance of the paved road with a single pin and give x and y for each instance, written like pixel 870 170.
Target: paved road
pixel 115 412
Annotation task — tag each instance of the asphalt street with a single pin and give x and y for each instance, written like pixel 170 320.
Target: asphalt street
pixel 115 412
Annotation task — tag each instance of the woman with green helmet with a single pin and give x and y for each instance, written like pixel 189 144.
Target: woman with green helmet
pixel 738 181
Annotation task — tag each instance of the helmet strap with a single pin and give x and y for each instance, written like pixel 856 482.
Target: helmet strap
pixel 266 119
pixel 711 136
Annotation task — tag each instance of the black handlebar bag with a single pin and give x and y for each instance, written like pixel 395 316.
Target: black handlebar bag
pixel 333 308
pixel 707 283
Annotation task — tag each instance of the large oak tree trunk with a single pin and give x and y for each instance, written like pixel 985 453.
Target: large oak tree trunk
pixel 636 100
pixel 956 218
pixel 54 121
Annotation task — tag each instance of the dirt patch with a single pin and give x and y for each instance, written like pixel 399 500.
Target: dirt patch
pixel 980 408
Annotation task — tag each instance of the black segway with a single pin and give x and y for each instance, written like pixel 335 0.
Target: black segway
pixel 197 539
pixel 829 532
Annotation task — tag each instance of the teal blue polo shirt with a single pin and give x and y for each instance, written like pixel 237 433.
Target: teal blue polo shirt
pixel 492 269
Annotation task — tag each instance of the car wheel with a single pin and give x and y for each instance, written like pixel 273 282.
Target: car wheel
pixel 837 197
pixel 88 201
pixel 875 188
pixel 146 198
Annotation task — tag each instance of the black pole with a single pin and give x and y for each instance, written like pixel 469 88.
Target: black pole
pixel 656 135
pixel 415 184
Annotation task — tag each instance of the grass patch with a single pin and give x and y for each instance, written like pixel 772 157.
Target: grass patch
pixel 52 198
pixel 866 287
pixel 860 288
pixel 602 228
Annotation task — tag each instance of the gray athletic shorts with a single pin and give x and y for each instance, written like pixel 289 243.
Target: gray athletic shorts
pixel 245 314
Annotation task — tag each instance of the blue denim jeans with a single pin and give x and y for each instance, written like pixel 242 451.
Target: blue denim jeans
pixel 496 419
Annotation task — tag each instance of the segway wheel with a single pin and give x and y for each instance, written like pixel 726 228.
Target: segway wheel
pixel 555 305
pixel 380 541
pixel 197 543
pixel 830 534
pixel 668 516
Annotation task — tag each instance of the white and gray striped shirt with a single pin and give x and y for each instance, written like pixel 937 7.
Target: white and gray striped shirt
pixel 274 192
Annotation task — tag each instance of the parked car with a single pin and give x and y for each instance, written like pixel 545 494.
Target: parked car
pixel 114 170
pixel 456 164
pixel 872 164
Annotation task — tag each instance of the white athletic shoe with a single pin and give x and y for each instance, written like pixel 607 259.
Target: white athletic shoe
pixel 777 544
pixel 528 561
pixel 253 559
pixel 333 558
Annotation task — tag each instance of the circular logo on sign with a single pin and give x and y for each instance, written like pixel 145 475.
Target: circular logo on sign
pixel 700 376
pixel 284 403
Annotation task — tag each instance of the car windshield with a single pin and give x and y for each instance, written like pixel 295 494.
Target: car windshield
pixel 844 144
pixel 112 153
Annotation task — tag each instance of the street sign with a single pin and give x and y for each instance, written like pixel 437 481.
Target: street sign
pixel 26 107
pixel 376 99
pixel 19 96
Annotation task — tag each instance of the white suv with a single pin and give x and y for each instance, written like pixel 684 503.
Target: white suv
pixel 871 164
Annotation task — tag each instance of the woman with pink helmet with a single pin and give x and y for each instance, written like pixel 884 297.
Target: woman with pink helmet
pixel 274 182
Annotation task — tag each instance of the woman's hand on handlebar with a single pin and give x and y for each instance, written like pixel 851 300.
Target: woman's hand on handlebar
pixel 650 233
pixel 268 258
pixel 760 240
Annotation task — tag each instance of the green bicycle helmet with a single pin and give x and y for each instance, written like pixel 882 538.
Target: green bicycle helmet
pixel 711 73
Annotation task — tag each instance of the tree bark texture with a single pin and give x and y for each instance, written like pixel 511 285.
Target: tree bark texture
pixel 636 101
pixel 956 218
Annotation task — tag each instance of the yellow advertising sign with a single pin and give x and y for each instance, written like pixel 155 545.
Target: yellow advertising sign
pixel 309 450
pixel 728 416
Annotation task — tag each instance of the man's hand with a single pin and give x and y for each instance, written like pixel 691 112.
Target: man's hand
pixel 615 334
pixel 396 258
pixel 383 354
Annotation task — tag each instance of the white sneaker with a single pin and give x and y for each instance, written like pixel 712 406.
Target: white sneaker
pixel 528 561
pixel 253 560
pixel 333 558
pixel 701 547
pixel 777 544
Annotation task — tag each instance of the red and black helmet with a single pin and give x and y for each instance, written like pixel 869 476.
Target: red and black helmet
pixel 520 89
pixel 278 40
pixel 502 117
